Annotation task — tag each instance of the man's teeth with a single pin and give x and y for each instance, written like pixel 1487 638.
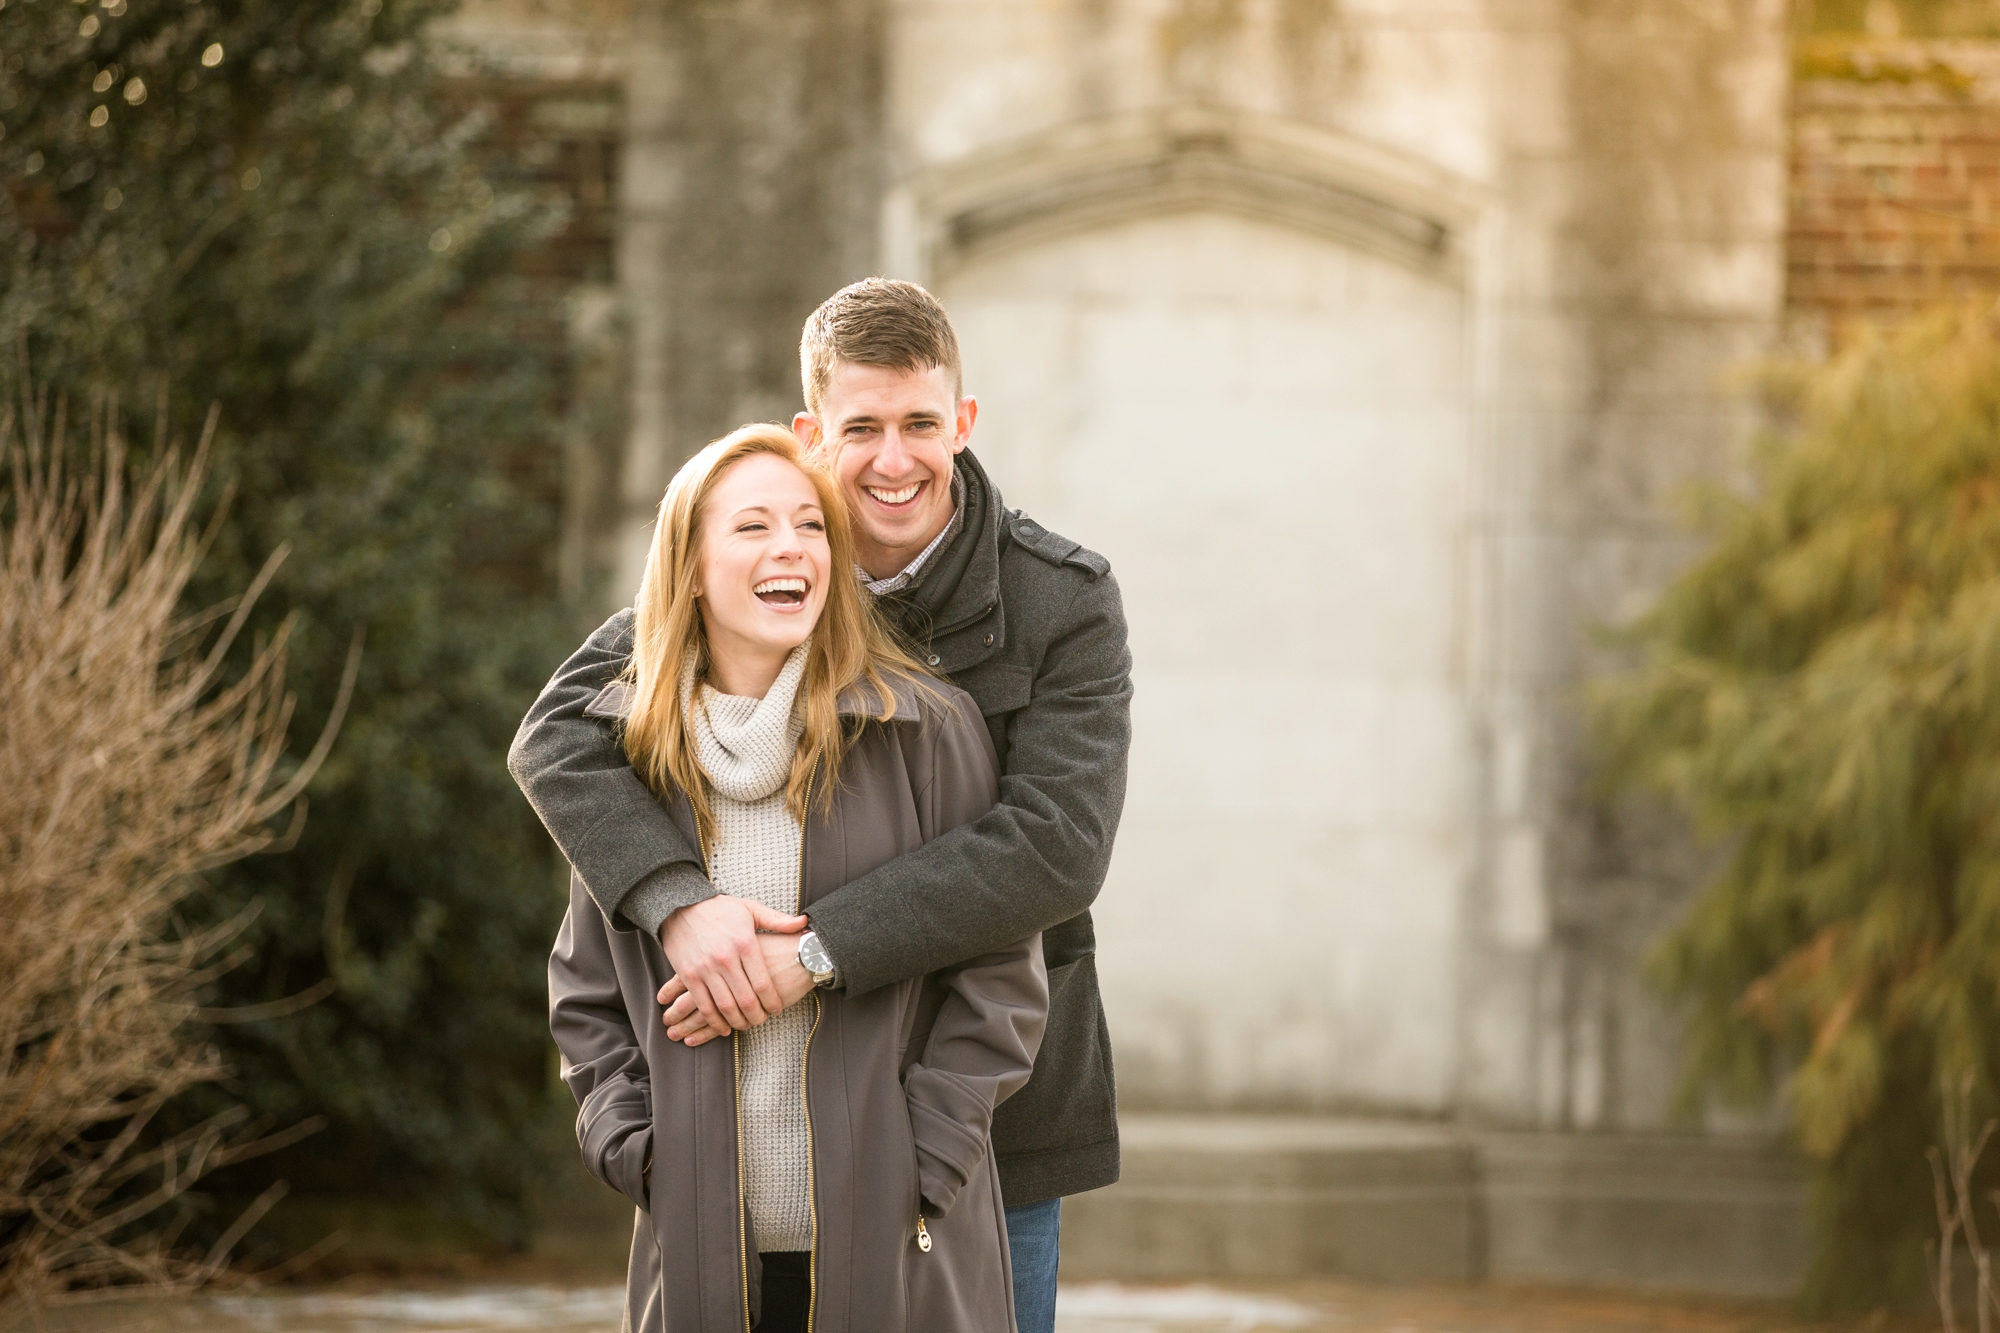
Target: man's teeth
pixel 903 496
pixel 780 585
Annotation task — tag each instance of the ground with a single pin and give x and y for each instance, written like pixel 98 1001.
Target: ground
pixel 396 1271
pixel 368 1306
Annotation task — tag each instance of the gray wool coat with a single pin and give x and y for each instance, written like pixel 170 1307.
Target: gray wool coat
pixel 900 1083
pixel 1031 625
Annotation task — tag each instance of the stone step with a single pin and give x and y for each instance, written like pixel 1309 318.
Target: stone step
pixel 1234 1196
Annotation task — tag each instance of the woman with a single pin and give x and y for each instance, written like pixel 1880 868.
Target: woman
pixel 828 1170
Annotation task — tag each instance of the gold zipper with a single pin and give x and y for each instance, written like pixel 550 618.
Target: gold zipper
pixel 812 1202
pixel 805 1058
pixel 923 1236
pixel 742 1204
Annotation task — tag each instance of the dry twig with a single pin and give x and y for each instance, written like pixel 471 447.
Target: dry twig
pixel 132 757
pixel 1951 1189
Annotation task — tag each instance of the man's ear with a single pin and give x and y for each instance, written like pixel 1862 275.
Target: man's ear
pixel 968 413
pixel 806 427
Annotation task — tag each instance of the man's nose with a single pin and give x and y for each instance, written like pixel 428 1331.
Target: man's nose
pixel 893 459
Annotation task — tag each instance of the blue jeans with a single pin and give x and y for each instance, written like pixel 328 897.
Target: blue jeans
pixel 1034 1243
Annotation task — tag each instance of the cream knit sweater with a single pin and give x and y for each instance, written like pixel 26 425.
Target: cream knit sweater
pixel 746 748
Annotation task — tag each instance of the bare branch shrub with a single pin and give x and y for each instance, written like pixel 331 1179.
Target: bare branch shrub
pixel 133 756
pixel 1952 1170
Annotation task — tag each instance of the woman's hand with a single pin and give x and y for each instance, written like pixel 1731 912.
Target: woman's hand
pixel 713 948
pixel 685 1020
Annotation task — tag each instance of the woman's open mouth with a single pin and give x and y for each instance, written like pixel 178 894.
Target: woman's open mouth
pixel 781 592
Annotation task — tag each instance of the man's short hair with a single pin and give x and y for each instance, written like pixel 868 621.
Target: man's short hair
pixel 877 322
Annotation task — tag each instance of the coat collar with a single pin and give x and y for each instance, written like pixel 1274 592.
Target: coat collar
pixel 859 700
pixel 962 582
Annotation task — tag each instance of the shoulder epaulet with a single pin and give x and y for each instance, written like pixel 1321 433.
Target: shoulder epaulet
pixel 1053 547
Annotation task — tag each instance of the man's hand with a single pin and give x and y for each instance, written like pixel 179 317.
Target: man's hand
pixel 685 1021
pixel 717 959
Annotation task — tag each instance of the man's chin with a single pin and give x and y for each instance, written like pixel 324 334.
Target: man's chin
pixel 901 532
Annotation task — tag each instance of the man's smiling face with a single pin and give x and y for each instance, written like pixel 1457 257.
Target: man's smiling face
pixel 890 435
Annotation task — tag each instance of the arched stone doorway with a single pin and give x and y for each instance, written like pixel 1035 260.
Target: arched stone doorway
pixel 1265 426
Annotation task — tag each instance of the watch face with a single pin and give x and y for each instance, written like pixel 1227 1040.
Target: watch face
pixel 812 957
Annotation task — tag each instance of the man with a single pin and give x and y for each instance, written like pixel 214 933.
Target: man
pixel 1032 627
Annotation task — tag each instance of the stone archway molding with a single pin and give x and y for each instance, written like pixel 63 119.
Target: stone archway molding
pixel 1089 174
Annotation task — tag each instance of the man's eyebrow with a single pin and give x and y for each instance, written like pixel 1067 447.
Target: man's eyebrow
pixel 875 419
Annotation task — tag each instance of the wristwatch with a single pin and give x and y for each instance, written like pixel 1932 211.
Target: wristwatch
pixel 814 958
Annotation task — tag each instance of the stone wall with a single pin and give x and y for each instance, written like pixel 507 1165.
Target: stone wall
pixel 1666 207
pixel 745 143
pixel 753 164
pixel 1218 1196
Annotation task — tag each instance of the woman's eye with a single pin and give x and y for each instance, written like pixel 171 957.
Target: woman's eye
pixel 751 527
pixel 813 525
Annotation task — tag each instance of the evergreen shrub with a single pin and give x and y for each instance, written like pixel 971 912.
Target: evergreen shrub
pixel 281 209
pixel 1821 691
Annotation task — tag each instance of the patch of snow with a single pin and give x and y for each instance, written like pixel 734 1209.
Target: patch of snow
pixel 470 1310
pixel 1114 1302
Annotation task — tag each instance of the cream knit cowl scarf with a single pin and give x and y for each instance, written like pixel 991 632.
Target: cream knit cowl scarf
pixel 746 747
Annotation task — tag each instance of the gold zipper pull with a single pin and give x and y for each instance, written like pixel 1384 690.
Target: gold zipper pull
pixel 923 1236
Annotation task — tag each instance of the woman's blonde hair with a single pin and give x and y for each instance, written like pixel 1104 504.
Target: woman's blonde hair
pixel 849 644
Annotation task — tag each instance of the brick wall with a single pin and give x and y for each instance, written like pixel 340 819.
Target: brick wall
pixel 559 139
pixel 1895 178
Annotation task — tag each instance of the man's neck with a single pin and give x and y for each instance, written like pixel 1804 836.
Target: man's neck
pixel 883 563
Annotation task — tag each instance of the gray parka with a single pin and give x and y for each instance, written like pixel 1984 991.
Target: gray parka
pixel 900 1083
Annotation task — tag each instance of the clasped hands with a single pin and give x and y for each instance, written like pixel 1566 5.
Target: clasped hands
pixel 736 964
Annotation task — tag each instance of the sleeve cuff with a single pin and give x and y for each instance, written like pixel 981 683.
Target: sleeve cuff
pixel 647 904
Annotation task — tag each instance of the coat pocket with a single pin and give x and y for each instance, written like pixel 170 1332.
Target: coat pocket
pixel 614 1129
pixel 949 1126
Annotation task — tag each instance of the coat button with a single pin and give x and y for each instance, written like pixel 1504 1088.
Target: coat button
pixel 989 641
pixel 932 659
